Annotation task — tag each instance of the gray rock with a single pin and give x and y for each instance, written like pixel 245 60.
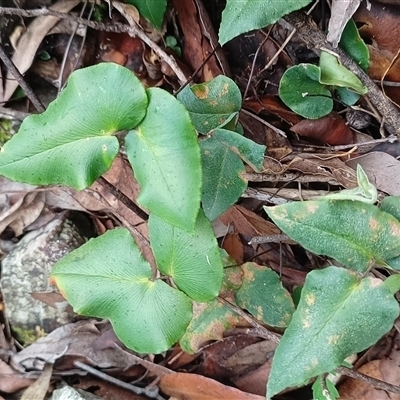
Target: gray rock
pixel 26 270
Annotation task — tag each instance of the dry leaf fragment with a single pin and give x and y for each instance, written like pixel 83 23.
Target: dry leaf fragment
pixel 341 13
pixel 331 129
pixel 30 42
pixel 184 386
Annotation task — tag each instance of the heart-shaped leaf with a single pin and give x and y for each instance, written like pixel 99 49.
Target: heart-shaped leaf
pixel 212 104
pixel 108 278
pixel 165 156
pixel 339 314
pixel 71 142
pixel 352 232
pixel 193 260
pixel 302 92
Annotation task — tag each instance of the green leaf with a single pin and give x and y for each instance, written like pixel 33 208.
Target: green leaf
pixel 71 143
pixel 223 182
pixel 354 233
pixel 250 152
pixel 212 104
pixel 326 391
pixel 302 92
pixel 246 15
pixel 391 204
pixel 365 191
pixel 193 260
pixel 347 96
pixel 153 10
pixel 332 72
pixel 108 278
pixel 165 156
pixel 354 46
pixel 339 314
pixel 263 295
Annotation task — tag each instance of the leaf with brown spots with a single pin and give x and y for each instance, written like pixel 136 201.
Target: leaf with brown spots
pixel 338 314
pixel 212 104
pixel 354 233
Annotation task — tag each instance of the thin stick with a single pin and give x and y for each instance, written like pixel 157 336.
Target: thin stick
pixel 151 392
pixel 21 81
pixel 368 379
pixel 117 27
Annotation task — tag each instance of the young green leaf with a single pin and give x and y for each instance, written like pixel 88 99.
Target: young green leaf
pixel 212 104
pixel 263 295
pixel 247 15
pixel 354 233
pixel 71 143
pixel 302 92
pixel 324 389
pixel 193 260
pixel 153 10
pixel 365 191
pixel 339 314
pixel 108 278
pixel 332 72
pixel 165 156
pixel 354 46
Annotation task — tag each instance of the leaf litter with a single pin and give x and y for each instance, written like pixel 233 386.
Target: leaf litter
pixel 316 156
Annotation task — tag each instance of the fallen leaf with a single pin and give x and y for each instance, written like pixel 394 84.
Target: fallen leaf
pixel 341 13
pixel 11 380
pixel 331 129
pixel 184 386
pixel 38 389
pixel 30 42
pixel 383 171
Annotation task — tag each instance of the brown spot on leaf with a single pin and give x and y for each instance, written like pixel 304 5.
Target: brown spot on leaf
pixel 201 92
pixel 374 282
pixel 224 91
pixel 373 223
pixel 312 208
pixel 394 228
pixel 310 299
pixel 334 339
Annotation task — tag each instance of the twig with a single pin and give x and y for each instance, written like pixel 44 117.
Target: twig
pixel 315 38
pixel 270 126
pixel 136 31
pixel 368 379
pixel 258 329
pixel 117 27
pixel 21 81
pixel 289 177
pixel 151 392
pixel 123 199
pixel 8 113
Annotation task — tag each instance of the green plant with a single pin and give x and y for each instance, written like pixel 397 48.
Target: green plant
pixel 73 143
pixel 342 310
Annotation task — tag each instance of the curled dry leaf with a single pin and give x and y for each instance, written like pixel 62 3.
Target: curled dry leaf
pixel 30 42
pixel 331 129
pixel 380 27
